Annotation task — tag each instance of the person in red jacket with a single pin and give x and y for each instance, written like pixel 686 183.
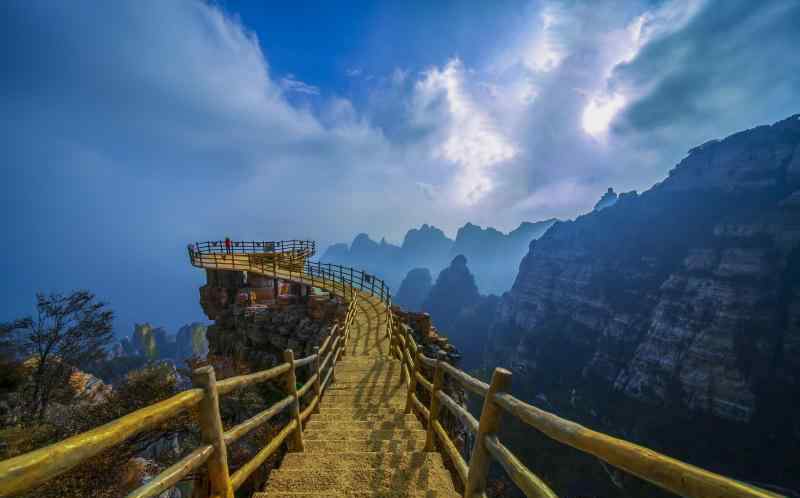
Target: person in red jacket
pixel 227 245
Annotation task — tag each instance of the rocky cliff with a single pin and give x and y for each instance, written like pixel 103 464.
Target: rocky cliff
pixel 460 311
pixel 673 317
pixel 414 289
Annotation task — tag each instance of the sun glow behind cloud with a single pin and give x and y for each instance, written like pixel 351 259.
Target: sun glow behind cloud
pixel 599 112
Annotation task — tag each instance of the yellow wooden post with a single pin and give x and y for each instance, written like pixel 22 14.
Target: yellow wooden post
pixel 211 430
pixel 489 423
pixel 412 386
pixel 318 382
pixel 296 443
pixel 438 380
pixel 344 328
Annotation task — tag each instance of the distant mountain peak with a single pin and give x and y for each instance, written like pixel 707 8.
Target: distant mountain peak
pixel 607 200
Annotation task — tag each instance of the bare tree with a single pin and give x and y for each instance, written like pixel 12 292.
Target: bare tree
pixel 67 332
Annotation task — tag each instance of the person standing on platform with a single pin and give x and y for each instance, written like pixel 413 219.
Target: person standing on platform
pixel 228 245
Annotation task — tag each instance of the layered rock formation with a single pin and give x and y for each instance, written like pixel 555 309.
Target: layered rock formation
pixel 684 300
pixel 254 334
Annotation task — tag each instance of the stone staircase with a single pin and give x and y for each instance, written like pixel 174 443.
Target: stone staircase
pixel 361 443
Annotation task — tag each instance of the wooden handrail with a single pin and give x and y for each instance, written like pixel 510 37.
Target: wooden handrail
pixel 28 470
pixel 304 361
pixel 423 382
pixel 233 383
pixel 308 385
pixel 459 411
pixel 172 475
pixel 467 381
pixel 665 472
pixel 452 452
pixel 240 476
pixel 235 433
pixel 528 482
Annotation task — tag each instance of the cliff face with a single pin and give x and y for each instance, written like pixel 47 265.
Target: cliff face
pixel 685 297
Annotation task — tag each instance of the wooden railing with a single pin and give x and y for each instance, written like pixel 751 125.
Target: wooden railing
pixel 32 469
pixel 668 473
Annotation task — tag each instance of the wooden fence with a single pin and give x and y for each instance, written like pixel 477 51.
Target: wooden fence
pixel 665 472
pixel 32 469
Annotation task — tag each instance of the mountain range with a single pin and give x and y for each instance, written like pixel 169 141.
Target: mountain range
pixel 494 256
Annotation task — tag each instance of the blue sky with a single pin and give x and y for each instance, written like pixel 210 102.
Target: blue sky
pixel 130 128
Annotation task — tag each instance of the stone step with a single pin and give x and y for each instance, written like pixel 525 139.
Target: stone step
pixel 430 493
pixel 361 460
pixel 343 385
pixel 345 424
pixel 388 446
pixel 373 418
pixel 337 482
pixel 373 369
pixel 361 413
pixel 368 360
pixel 398 404
pixel 359 434
pixel 366 395
pixel 364 379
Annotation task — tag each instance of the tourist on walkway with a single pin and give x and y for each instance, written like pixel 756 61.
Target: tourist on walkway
pixel 227 245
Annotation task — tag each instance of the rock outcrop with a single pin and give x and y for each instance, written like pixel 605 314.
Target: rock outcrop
pixel 460 311
pixel 414 289
pixel 494 256
pixel 684 300
pixel 254 332
pixel 607 200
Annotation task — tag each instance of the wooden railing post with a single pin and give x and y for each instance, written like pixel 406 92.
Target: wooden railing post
pixel 296 442
pixel 489 423
pixel 344 328
pixel 438 380
pixel 412 386
pixel 318 382
pixel 211 431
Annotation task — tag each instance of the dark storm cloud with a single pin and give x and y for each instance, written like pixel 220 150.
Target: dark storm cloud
pixel 733 66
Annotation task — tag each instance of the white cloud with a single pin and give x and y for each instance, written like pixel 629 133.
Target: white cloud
pixel 290 84
pixel 469 138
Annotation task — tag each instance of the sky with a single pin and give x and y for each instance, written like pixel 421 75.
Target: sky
pixel 131 128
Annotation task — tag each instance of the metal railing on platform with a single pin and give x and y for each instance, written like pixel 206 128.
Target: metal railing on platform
pixel 291 258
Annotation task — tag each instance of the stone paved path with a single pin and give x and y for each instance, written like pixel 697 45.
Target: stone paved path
pixel 361 444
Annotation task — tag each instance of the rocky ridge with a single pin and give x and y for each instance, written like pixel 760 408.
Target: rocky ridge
pixel 685 299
